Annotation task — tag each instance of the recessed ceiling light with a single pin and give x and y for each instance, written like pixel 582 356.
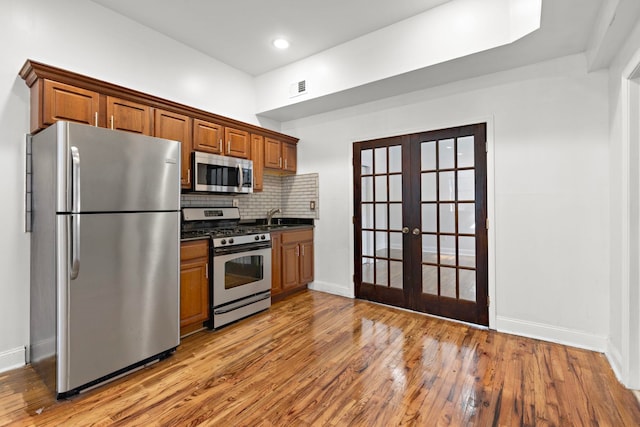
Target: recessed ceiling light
pixel 281 43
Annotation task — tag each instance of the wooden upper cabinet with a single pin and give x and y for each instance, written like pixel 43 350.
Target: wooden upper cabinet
pixel 280 156
pixel 128 116
pixel 176 126
pixel 272 154
pixel 257 155
pixel 207 136
pixel 289 157
pixel 238 143
pixel 64 102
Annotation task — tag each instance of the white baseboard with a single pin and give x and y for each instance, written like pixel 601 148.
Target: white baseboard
pixel 614 357
pixel 552 333
pixel 11 359
pixel 332 288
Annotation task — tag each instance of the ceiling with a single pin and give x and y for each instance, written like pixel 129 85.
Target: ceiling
pixel 239 33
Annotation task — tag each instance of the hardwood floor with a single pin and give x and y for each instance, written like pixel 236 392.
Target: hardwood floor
pixel 319 359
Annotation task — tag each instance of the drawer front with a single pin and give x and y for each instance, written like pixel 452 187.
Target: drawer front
pixel 297 236
pixel 194 249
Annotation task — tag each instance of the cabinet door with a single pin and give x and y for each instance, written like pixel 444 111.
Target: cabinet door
pixel 238 143
pixel 177 127
pixel 207 136
pixel 70 103
pixel 290 157
pixel 306 262
pixel 276 263
pixel 257 155
pixel 128 116
pixel 272 154
pixel 194 292
pixel 290 262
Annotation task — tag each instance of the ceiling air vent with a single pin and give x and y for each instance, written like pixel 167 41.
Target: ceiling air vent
pixel 297 88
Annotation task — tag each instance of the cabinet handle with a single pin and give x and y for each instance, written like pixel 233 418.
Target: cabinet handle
pixel 280 162
pixel 206 270
pixel 188 176
pixel 297 250
pixel 285 163
pixel 303 251
pixel 220 145
pixel 112 122
pixel 96 116
pixel 228 147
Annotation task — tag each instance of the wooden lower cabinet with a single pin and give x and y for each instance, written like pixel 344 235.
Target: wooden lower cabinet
pixel 194 285
pixel 292 261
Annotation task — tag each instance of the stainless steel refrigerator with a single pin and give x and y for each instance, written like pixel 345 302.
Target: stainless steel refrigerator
pixel 104 253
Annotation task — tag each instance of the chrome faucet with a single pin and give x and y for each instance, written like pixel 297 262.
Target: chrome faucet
pixel 271 213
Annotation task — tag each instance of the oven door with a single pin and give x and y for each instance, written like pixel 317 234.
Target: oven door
pixel 220 174
pixel 239 273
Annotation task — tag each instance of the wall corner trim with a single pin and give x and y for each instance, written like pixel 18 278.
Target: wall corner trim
pixel 332 288
pixel 12 359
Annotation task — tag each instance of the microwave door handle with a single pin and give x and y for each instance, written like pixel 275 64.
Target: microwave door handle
pixel 241 174
pixel 75 213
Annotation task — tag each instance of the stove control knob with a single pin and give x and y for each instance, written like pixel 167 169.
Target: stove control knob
pixel 223 241
pixel 257 237
pixel 262 237
pixel 230 241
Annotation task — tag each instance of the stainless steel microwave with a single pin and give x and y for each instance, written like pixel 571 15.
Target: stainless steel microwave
pixel 221 174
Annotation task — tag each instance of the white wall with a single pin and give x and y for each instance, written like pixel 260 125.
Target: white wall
pixel 624 332
pixel 83 37
pixel 417 42
pixel 548 130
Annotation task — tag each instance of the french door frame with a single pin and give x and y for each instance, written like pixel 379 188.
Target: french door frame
pixel 411 295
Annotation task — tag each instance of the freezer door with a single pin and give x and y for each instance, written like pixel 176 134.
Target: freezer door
pixel 114 171
pixel 123 307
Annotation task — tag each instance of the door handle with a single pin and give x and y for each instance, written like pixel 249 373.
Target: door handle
pixel 416 231
pixel 75 214
pixel 405 230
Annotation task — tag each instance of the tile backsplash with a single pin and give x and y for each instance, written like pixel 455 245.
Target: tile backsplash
pixel 293 194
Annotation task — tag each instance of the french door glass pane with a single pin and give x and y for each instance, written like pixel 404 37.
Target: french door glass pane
pixel 395 216
pixel 429 219
pixel 395 159
pixel 382 268
pixel 396 274
pixel 429 248
pixel 382 245
pixel 447 218
pixel 395 188
pixel 448 282
pixel 381 188
pixel 447 250
pixel 467 218
pixel 429 279
pixel 467 248
pixel 367 270
pixel 466 185
pixel 428 150
pixel 366 161
pixel 467 284
pixel 446 155
pixel 465 152
pixel 367 215
pixel 447 186
pixel 428 189
pixel 381 216
pixel 367 243
pixel 396 245
pixel 367 189
pixel 381 161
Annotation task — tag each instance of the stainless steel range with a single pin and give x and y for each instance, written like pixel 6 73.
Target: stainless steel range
pixel 240 282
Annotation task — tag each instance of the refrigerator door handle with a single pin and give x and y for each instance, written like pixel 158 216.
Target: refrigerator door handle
pixel 75 215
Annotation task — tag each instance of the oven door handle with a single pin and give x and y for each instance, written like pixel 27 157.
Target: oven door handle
pixel 238 249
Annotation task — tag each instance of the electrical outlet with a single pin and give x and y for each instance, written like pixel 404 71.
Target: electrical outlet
pixel 312 205
pixel 235 203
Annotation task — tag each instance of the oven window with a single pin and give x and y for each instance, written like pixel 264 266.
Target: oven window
pixel 243 270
